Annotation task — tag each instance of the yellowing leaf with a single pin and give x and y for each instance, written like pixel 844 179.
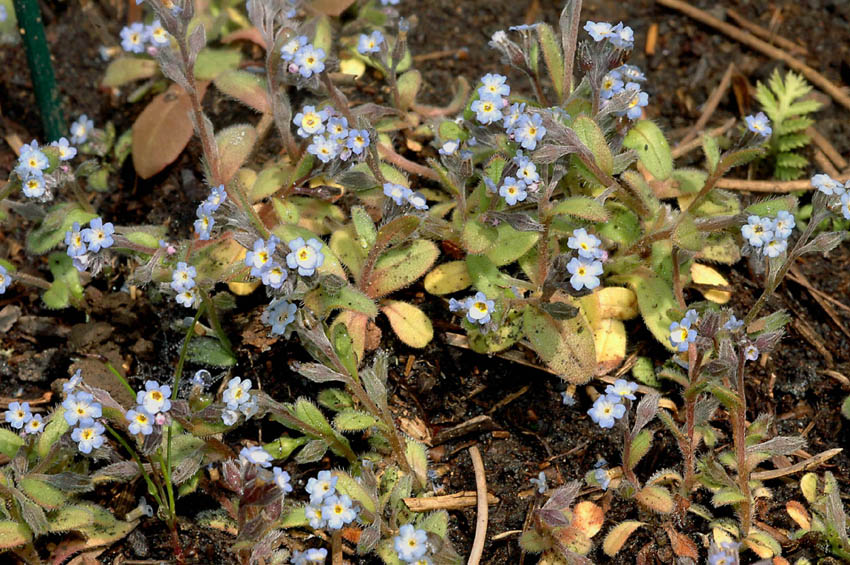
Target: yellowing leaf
pixel 609 338
pixel 127 69
pixel 248 88
pixel 447 278
pixel 587 518
pixel 799 514
pixel 163 129
pixel 235 143
pixel 705 275
pixel 656 498
pixel 618 536
pixel 352 66
pixel 410 323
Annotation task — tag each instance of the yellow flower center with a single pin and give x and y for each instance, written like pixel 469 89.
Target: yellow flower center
pixel 582 271
pixel 134 38
pixel 304 254
pixel 263 257
pixel 338 509
pixel 683 334
pixel 156 395
pixel 487 107
pixel 87 434
pixel 237 393
pixel 481 307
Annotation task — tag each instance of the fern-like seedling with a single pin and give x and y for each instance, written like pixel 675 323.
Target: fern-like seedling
pixel 781 99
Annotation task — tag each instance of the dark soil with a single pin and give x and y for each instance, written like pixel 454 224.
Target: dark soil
pixel 443 386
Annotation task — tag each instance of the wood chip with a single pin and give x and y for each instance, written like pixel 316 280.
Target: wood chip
pixel 482 423
pixel 456 501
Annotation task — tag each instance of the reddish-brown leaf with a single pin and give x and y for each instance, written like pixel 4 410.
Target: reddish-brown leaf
pixel 682 545
pixel 162 130
pixel 331 7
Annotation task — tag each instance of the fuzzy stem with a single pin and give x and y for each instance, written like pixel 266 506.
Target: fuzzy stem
pixel 212 316
pixel 740 439
pixel 152 489
pixel 178 371
pixel 31 280
pixel 283 129
pixel 118 375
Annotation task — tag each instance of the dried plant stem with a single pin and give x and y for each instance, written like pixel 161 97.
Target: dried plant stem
pixel 766 34
pixel 752 41
pixel 481 518
pixel 828 148
pixel 336 547
pixel 390 155
pixel 776 187
pixel 685 148
pixel 711 104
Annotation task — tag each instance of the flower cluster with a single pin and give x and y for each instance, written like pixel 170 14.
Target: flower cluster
pixel 136 35
pixel 98 236
pixel 81 411
pixel 770 236
pixel 32 164
pixel 303 57
pixel 330 134
pixel 326 508
pixel 238 400
pixel 183 283
pixel 401 195
pixel 20 417
pixel 479 309
pixel 759 125
pixel 205 211
pixel 610 407
pixel 620 36
pixel 411 544
pixel 587 267
pixel 492 106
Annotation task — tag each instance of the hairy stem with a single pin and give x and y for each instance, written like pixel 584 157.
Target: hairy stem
pixel 740 439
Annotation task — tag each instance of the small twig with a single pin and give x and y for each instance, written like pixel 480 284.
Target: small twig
pixel 824 164
pixel 440 55
pixel 824 145
pixel 685 148
pixel 481 518
pixel 710 104
pixel 776 187
pixel 390 155
pixel 752 41
pixel 480 423
pixel 766 34
pixel 455 501
pixel 336 548
pixel 804 465
pixel 651 39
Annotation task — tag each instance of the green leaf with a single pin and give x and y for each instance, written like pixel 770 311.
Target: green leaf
pixel 308 413
pixel 46 496
pixel 335 399
pixel 363 226
pixel 655 300
pixel 212 62
pixel 690 180
pixel 447 278
pixel 640 447
pixel 343 345
pixel 437 523
pixel 66 282
pixel 349 250
pixel 345 484
pixel 740 157
pixel 533 542
pixel 235 144
pixel 350 420
pixel 712 151
pixel 323 302
pixel 401 267
pixel 449 130
pixel 581 207
pixel 55 429
pixel 70 518
pixel 13 534
pixel 845 408
pixel 590 134
pixel 485 276
pixel 9 442
pixel 324 34
pixel 58 220
pixel 550 45
pixel 565 345
pixel 408 87
pixel 248 88
pixel 410 324
pixel 417 457
pixel 652 148
pixel 128 69
pixel 623 226
pixel 687 235
pixel 476 237
pixel 210 351
pixel 726 497
pixel 510 244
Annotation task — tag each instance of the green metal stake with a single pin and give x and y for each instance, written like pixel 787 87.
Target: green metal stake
pixel 41 68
